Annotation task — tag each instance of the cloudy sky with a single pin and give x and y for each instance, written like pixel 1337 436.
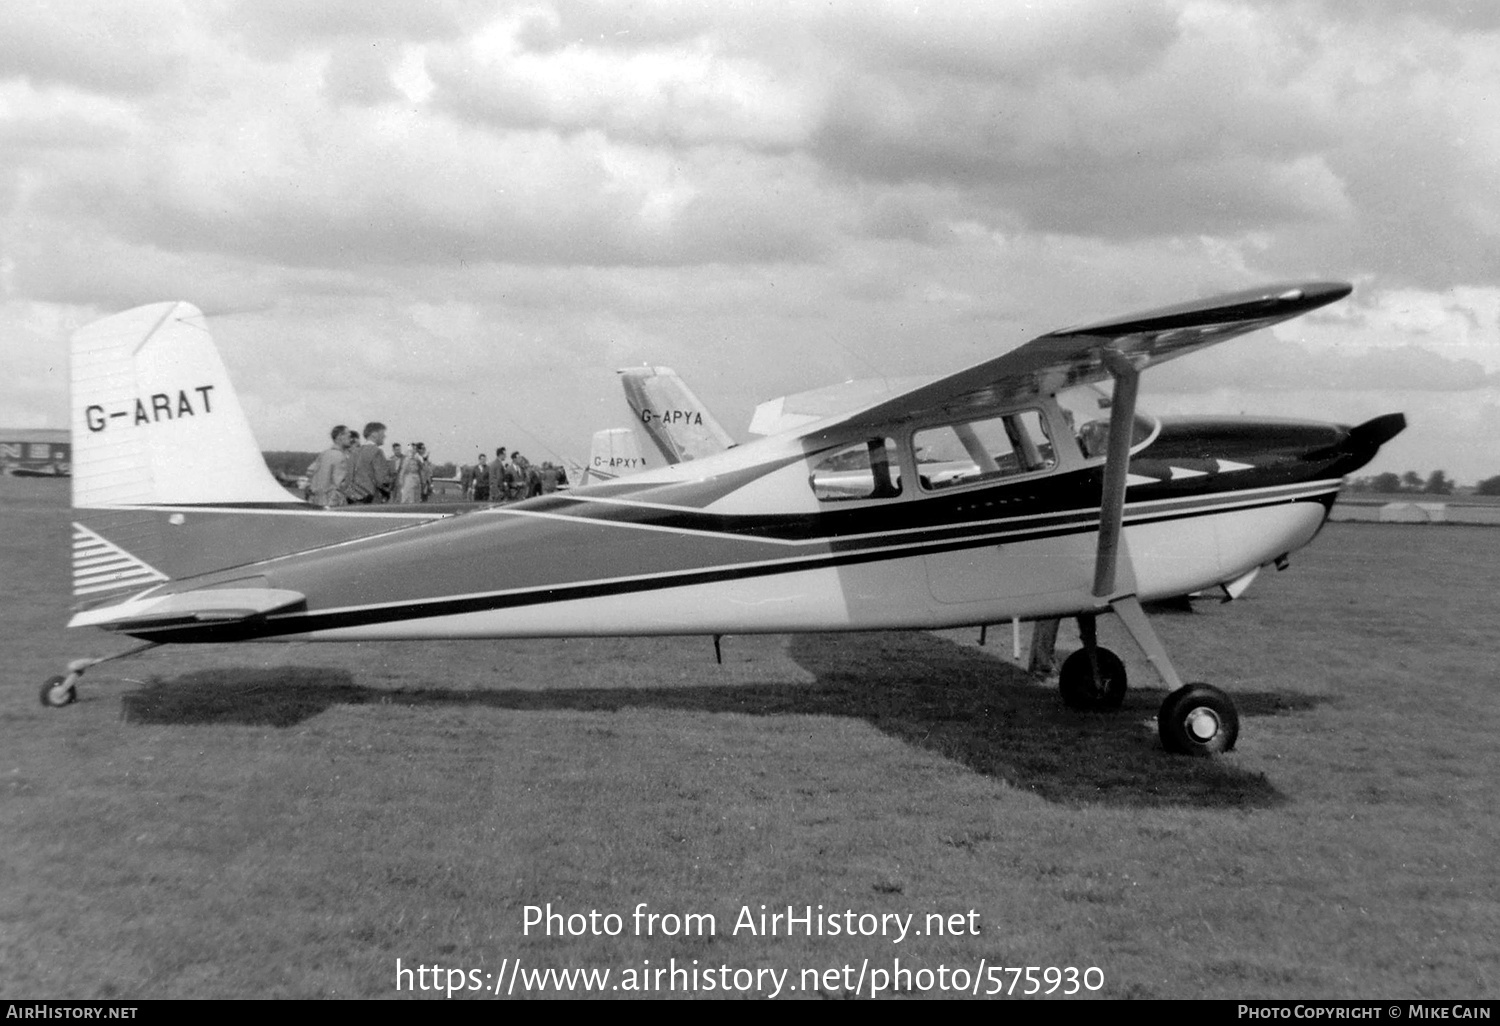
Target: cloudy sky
pixel 459 216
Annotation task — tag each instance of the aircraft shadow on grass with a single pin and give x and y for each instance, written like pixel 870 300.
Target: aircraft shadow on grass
pixel 985 714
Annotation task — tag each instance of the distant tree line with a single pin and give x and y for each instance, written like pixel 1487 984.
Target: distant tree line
pixel 1411 482
pixel 288 466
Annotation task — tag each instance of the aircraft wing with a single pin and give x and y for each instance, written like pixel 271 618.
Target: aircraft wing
pixel 789 412
pixel 1077 355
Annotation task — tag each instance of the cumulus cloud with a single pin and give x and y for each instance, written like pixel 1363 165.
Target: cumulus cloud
pixel 688 94
pixel 278 28
pixel 773 194
pixel 1264 363
pixel 95 45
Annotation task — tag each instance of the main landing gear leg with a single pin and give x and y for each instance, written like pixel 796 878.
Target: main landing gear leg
pixel 63 690
pixel 1196 719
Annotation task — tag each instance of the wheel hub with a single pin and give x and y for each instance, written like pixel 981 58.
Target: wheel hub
pixel 1202 723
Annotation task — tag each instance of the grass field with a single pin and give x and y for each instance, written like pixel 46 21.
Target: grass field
pixel 290 820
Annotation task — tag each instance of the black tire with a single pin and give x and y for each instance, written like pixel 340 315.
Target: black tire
pixel 1198 720
pixel 1079 689
pixel 58 691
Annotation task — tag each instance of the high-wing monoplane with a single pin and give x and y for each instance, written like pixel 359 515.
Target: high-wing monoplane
pixel 1013 489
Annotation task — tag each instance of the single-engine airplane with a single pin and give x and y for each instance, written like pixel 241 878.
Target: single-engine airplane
pixel 1012 489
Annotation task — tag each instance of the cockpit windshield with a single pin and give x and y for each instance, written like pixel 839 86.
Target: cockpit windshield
pixel 1086 409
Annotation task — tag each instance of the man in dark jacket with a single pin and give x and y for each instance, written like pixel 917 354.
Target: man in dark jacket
pixel 500 472
pixel 481 481
pixel 370 474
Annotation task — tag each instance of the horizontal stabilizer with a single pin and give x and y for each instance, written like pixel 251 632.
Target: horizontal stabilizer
pixel 210 605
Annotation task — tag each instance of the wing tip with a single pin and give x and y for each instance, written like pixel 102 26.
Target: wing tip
pixel 1278 301
pixel 1316 292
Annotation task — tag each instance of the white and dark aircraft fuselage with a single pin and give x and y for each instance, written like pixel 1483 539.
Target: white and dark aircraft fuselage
pixel 977 498
pixel 1210 501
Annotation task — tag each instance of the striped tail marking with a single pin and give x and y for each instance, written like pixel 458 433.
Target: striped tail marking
pixel 99 565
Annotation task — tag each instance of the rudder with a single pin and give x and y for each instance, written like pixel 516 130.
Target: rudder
pixel 155 418
pixel 168 480
pixel 614 452
pixel 674 420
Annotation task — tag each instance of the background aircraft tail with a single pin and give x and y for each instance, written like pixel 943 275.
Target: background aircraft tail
pixel 672 419
pixel 614 453
pixel 168 480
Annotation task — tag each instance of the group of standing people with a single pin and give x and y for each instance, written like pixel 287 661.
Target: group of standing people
pixel 511 476
pixel 355 471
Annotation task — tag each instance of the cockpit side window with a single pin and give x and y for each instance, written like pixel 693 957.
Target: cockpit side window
pixel 983 450
pixel 1087 411
pixel 865 470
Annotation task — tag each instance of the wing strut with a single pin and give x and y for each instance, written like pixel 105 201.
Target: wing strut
pixel 1127 607
pixel 1116 469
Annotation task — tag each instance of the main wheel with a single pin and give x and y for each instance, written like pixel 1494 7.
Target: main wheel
pixel 1198 719
pixel 1079 688
pixel 59 691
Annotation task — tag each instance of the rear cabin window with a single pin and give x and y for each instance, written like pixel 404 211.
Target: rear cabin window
pixel 983 450
pixel 865 470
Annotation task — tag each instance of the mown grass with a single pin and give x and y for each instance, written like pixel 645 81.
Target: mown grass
pixel 289 820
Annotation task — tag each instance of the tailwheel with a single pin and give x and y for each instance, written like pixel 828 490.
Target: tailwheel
pixel 1082 689
pixel 60 691
pixel 1198 720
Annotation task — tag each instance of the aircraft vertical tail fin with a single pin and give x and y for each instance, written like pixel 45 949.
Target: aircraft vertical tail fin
pixel 614 453
pixel 155 418
pixel 168 481
pixel 674 420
